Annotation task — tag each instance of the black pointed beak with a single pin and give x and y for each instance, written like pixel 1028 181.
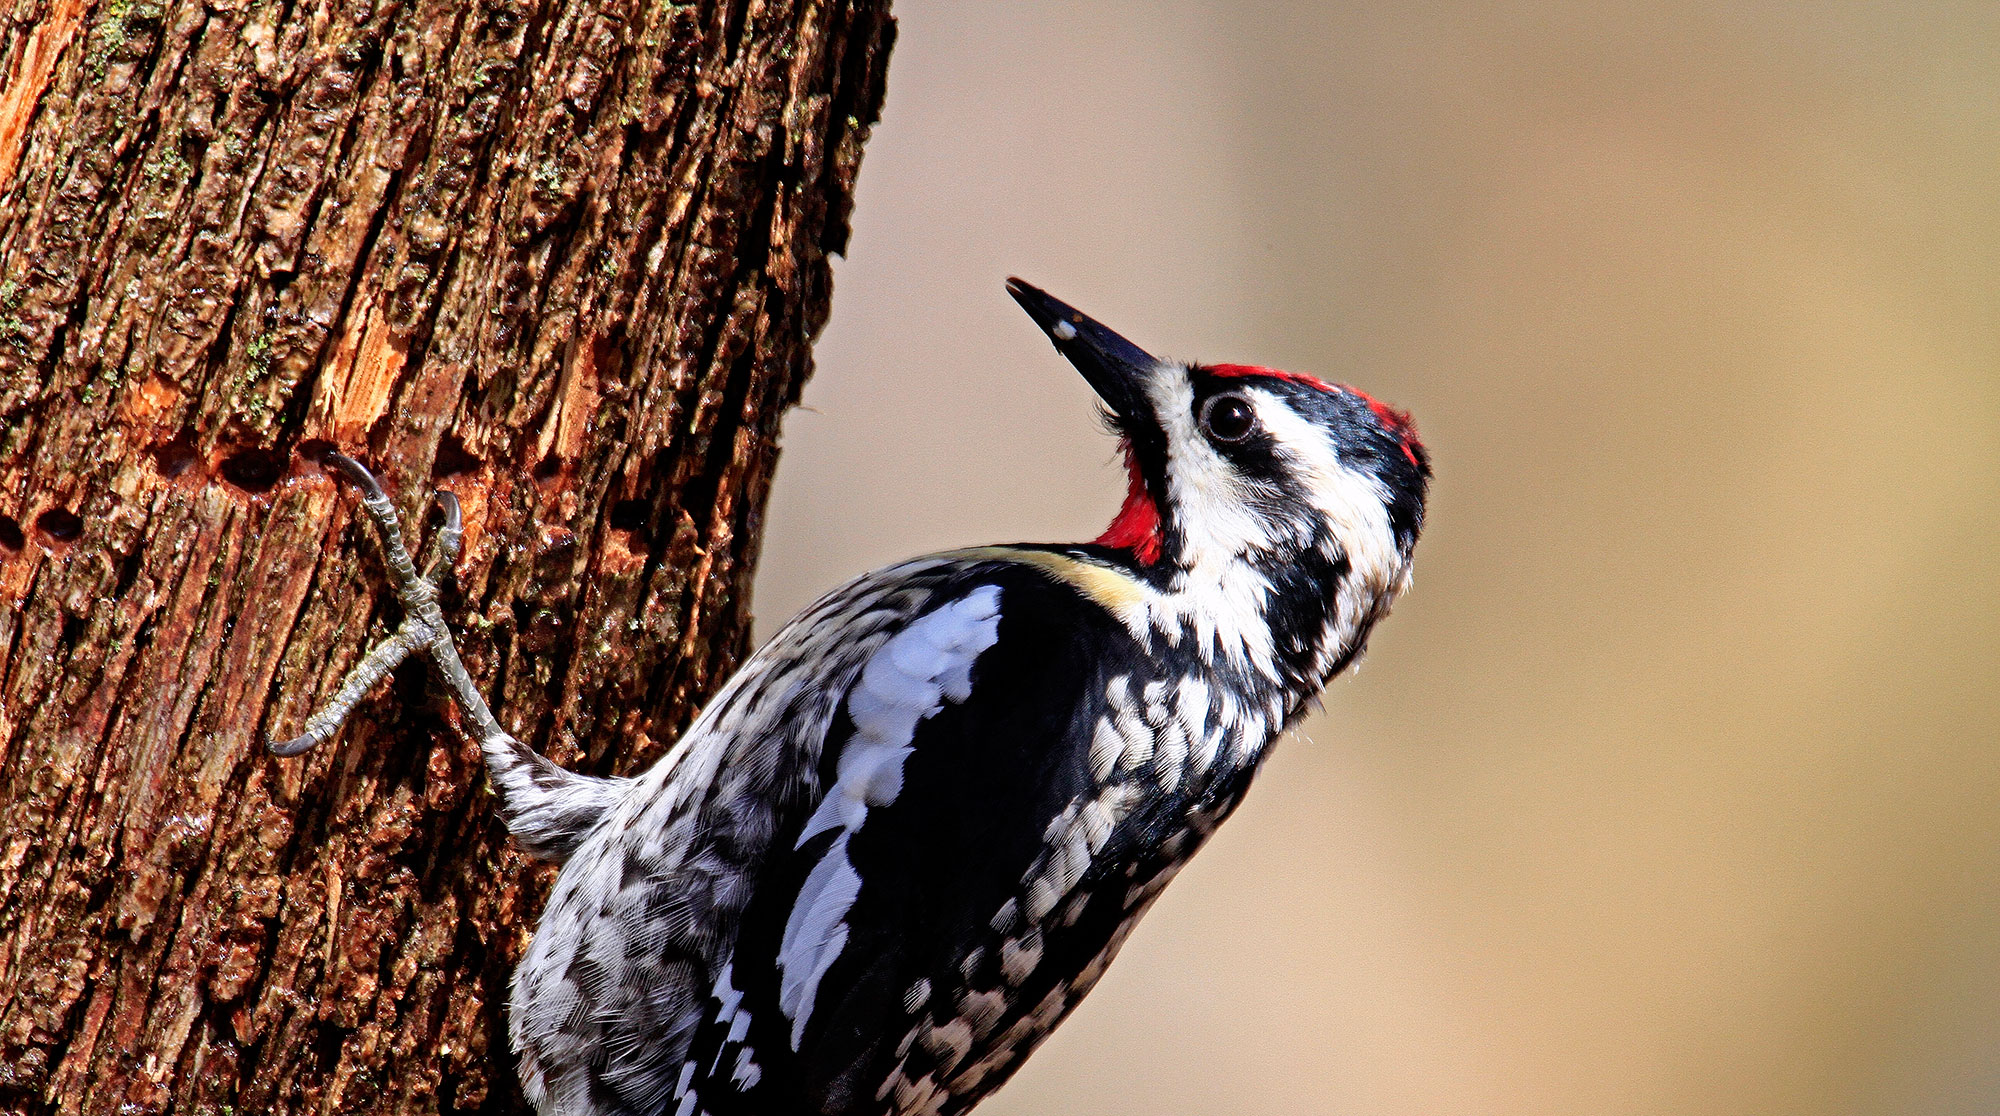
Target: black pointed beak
pixel 1117 369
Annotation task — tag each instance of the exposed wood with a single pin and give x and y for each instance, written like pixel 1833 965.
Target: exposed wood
pixel 561 257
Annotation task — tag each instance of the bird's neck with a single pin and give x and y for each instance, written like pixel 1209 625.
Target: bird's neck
pixel 1278 627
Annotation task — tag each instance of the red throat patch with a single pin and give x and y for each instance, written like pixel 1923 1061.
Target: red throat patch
pixel 1137 525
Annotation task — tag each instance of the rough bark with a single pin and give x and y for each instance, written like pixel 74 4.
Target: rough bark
pixel 561 257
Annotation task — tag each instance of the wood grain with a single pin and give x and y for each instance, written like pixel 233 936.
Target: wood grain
pixel 563 258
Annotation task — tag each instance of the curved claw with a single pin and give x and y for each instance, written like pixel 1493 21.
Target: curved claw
pixel 358 473
pixel 450 538
pixel 454 519
pixel 297 745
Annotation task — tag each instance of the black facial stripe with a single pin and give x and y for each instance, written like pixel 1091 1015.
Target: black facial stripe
pixel 1402 468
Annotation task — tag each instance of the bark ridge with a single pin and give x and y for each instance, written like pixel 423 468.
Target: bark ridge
pixel 561 257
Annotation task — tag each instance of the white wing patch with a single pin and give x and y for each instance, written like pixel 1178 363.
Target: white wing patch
pixel 907 679
pixel 729 1010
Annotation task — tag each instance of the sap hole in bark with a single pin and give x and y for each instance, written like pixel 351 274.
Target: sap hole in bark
pixel 548 467
pixel 629 515
pixel 253 470
pixel 59 524
pixel 11 537
pixel 172 458
pixel 453 459
pixel 314 450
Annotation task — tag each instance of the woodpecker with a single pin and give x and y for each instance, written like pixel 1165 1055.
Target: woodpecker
pixel 909 835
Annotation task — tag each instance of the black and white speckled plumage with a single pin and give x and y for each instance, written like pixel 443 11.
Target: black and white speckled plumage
pixel 909 835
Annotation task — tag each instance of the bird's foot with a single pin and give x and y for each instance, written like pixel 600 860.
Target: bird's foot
pixel 423 627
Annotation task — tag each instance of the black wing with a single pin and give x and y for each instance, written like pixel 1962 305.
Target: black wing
pixel 904 955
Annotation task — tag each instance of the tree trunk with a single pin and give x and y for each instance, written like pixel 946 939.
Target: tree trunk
pixel 560 257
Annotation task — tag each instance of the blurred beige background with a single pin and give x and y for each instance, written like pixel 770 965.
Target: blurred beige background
pixel 1675 785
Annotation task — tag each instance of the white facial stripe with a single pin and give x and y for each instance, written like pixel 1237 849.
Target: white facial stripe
pixel 909 678
pixel 1203 486
pixel 1212 506
pixel 1354 502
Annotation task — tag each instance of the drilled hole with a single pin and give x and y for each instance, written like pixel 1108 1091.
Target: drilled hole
pixel 11 537
pixel 629 515
pixel 59 524
pixel 253 470
pixel 453 458
pixel 548 467
pixel 315 450
pixel 175 457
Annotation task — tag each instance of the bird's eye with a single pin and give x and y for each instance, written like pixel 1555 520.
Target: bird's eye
pixel 1228 418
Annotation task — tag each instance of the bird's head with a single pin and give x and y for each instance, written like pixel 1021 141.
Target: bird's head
pixel 1252 480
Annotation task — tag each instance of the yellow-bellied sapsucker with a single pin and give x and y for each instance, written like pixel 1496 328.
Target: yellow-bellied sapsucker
pixel 910 833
